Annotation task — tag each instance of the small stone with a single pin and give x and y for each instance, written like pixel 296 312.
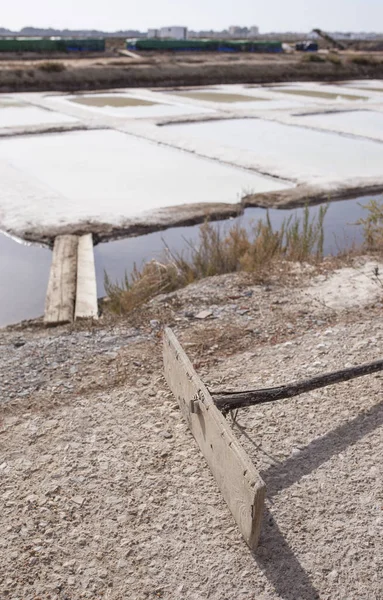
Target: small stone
pixel 333 574
pixel 78 500
pixel 19 343
pixel 316 363
pixel 204 314
pixel 295 452
pixel 71 580
pixel 82 542
pixel 167 435
pixel 154 323
pixel 103 573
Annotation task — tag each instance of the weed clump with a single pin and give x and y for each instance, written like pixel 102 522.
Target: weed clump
pixel 220 252
pixel 363 61
pixel 314 58
pixel 334 59
pixel 52 67
pixel 373 226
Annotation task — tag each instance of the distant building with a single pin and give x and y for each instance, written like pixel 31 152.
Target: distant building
pixel 244 32
pixel 175 33
pixel 253 31
pixel 152 33
pixel 236 30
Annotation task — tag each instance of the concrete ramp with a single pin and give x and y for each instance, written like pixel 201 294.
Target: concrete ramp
pixel 86 293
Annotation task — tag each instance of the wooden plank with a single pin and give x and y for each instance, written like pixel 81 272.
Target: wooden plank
pixel 86 293
pixel 60 298
pixel 235 474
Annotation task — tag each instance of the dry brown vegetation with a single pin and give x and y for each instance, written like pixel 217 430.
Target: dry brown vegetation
pixel 52 67
pixel 168 69
pixel 217 253
pixel 373 226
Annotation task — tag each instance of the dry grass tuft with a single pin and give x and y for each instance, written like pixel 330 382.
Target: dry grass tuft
pixel 313 58
pixel 217 253
pixel 373 226
pixel 52 67
pixel 364 61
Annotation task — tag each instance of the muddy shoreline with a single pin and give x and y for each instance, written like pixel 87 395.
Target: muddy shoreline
pixel 187 215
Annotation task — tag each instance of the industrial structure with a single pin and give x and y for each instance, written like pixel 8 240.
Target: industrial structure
pixel 52 44
pixel 175 32
pixel 207 45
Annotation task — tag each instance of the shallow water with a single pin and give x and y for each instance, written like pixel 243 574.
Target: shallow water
pixel 293 151
pixel 24 270
pixel 120 256
pixel 366 88
pixel 24 273
pixel 128 106
pixel 116 101
pixel 323 95
pixel 225 97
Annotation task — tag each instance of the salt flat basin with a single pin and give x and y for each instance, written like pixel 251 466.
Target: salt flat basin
pixel 109 100
pixel 105 175
pixel 291 151
pixel 370 85
pixel 16 114
pixel 358 122
pixel 368 89
pixel 219 96
pixel 320 94
pixel 8 101
pixel 129 106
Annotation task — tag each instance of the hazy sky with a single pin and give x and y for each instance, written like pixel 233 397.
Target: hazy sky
pixel 269 15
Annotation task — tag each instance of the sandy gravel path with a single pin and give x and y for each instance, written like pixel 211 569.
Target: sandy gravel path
pixel 104 494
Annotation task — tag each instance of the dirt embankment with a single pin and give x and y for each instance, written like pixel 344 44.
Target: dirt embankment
pixel 105 494
pixel 157 70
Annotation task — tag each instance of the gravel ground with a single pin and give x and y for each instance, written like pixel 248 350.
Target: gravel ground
pixel 104 493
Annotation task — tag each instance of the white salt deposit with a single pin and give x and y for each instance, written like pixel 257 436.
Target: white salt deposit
pixel 108 176
pixel 14 116
pixel 364 123
pixel 289 151
pixel 349 287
